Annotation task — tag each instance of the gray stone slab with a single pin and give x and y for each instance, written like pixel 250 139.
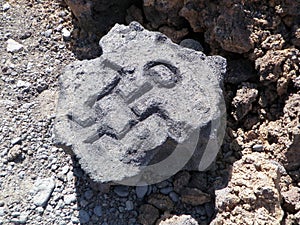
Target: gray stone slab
pixel 144 110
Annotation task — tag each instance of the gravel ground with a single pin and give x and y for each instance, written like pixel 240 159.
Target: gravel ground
pixel 39 183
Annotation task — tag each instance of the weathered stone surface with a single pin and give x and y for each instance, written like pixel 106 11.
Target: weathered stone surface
pixel 98 16
pixel 253 193
pixel 179 220
pixel 124 113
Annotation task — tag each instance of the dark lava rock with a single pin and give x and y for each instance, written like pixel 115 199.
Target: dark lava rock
pixel 143 110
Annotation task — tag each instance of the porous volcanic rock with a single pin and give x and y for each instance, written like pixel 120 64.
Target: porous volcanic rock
pixel 179 220
pixel 253 193
pixel 143 110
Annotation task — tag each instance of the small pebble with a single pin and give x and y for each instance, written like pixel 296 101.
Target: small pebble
pixel 166 190
pixel 257 147
pixel 88 194
pixel 59 27
pixel 42 191
pixel 98 210
pixel 141 191
pixel 84 216
pixel 25 35
pixel 48 33
pixel 75 220
pixel 2 213
pixel 16 140
pixel 129 205
pixel 121 191
pixel 40 209
pixel 15 214
pixel 6 6
pixel 13 46
pixel 66 34
pixel 162 184
pixel 174 197
pixel 70 176
pixel 68 199
pixel 54 167
pixel 23 84
pixel 23 217
pixel 65 169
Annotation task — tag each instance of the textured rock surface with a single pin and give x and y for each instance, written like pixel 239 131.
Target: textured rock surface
pixel 179 220
pixel 253 193
pixel 99 16
pixel 243 100
pixel 144 98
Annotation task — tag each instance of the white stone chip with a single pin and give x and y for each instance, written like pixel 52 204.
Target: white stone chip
pixel 13 46
pixel 43 189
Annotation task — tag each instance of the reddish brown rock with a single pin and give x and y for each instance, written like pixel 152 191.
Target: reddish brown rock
pixel 148 214
pixel 181 180
pixel 253 193
pixel 220 24
pixel 243 100
pixel 194 196
pixel 161 202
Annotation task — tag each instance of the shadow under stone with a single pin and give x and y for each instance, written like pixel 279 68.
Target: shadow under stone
pixel 106 204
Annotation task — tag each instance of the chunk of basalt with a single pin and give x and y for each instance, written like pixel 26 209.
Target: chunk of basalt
pixel 144 110
pixel 243 100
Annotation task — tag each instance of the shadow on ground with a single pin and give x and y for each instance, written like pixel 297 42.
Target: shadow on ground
pixel 116 204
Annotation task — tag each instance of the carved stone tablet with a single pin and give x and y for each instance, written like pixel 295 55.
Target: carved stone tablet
pixel 144 110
